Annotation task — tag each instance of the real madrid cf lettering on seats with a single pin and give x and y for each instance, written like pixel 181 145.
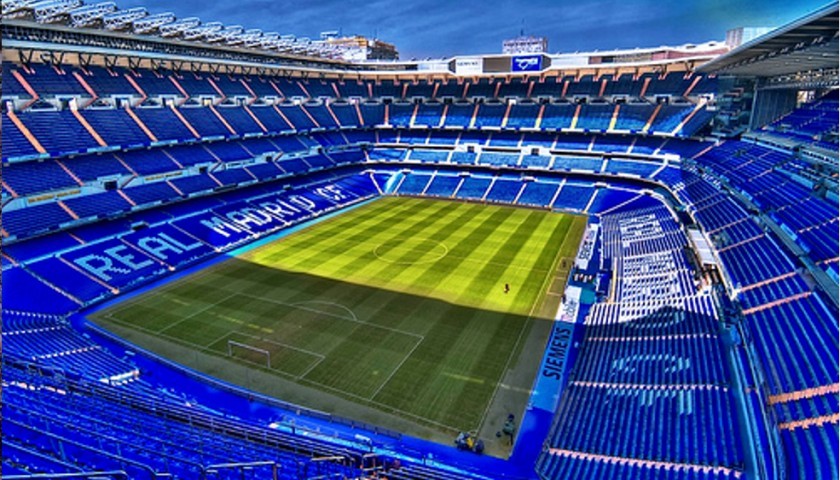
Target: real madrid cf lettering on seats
pixel 689 331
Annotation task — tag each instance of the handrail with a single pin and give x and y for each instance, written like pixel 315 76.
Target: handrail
pixel 97 475
pixel 288 442
pixel 210 469
pixel 152 474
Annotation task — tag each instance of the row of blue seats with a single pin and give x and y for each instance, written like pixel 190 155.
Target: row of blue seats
pixel 648 232
pixel 811 122
pixel 807 213
pixel 790 359
pixel 117 128
pixel 651 358
pixel 812 453
pixel 797 344
pixel 591 117
pixel 60 132
pixel 22 222
pixel 735 233
pixel 571 196
pixel 635 168
pixel 758 258
pixel 557 467
pixel 138 431
pixel 59 346
pixel 774 192
pixel 657 275
pixel 540 193
pixel 783 288
pixel 682 425
pixel 718 213
pixel 121 260
pixel 824 405
pixel 694 360
pixel 679 316
pixel 46 80
pixel 755 261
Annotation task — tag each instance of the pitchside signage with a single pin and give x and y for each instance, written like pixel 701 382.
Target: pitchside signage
pixel 526 63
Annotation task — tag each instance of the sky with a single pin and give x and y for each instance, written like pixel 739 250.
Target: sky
pixel 440 28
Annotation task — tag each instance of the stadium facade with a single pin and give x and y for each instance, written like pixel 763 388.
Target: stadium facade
pixel 697 336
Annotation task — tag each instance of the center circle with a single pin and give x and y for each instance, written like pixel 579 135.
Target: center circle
pixel 410 251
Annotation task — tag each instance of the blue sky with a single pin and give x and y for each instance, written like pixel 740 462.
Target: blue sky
pixel 436 28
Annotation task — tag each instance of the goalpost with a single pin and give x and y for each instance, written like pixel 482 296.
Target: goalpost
pixel 233 345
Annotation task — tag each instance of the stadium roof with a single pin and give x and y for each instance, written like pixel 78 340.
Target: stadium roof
pixel 808 43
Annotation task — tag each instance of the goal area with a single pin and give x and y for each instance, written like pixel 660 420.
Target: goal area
pixel 249 353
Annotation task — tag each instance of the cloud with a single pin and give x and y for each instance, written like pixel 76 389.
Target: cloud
pixel 436 28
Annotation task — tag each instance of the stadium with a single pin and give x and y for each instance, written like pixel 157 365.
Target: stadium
pixel 233 254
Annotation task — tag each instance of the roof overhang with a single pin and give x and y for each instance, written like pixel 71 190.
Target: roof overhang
pixel 807 44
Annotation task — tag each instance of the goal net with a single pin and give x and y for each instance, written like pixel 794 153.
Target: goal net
pixel 249 353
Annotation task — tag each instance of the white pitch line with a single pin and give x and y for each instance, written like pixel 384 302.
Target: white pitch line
pixel 393 372
pixel 385 407
pixel 222 337
pixel 411 262
pixel 319 357
pixel 268 340
pixel 543 288
pixel 321 302
pixel 310 368
pixel 196 313
pixel 328 314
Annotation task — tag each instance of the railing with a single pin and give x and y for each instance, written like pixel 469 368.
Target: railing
pixel 289 443
pixel 110 475
pixel 241 466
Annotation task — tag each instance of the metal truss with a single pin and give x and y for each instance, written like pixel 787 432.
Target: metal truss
pixel 91 15
pixel 152 23
pixel 122 19
pixel 178 27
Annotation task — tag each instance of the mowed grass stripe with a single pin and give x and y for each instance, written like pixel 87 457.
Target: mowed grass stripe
pixel 358 265
pixel 427 339
pixel 446 226
pixel 430 280
pixel 488 281
pixel 459 370
pixel 378 311
pixel 336 242
pixel 298 249
pixel 337 248
pixel 344 226
pixel 473 359
pixel 431 276
pixel 354 267
pixel 336 237
pixel 427 279
pixel 439 367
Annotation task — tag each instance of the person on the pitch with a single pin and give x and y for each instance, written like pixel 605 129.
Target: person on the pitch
pixel 507 287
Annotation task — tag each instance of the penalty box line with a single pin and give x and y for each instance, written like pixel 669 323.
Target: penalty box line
pixel 115 316
pixel 328 314
pixel 396 369
pixel 198 312
pixel 388 409
pixel 418 338
pixel 319 357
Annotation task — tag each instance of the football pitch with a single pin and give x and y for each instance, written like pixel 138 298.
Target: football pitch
pixel 398 305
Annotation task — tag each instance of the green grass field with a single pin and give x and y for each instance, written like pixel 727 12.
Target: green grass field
pixel 397 305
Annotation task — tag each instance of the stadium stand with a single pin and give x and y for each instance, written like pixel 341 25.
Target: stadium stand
pixel 118 175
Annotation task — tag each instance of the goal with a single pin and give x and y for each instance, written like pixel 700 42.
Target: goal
pixel 249 353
